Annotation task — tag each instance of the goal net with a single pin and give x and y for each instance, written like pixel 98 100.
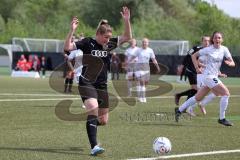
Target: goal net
pixel 39 45
pixel 162 47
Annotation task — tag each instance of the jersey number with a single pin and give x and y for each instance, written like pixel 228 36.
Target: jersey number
pixel 215 80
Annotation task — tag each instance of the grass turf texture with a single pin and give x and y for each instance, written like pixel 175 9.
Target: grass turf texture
pixel 31 129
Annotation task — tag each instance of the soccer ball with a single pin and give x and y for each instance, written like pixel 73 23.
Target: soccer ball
pixel 162 145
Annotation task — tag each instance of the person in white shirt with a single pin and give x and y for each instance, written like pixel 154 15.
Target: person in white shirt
pixel 200 81
pixel 131 65
pixel 76 57
pixel 215 54
pixel 144 54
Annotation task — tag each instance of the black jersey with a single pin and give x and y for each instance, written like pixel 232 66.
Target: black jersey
pixel 187 61
pixel 96 59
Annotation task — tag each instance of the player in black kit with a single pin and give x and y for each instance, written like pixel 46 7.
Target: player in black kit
pixel 93 79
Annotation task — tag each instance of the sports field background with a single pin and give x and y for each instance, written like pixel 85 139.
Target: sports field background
pixel 30 128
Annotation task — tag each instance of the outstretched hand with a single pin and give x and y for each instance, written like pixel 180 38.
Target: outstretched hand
pixel 125 13
pixel 74 23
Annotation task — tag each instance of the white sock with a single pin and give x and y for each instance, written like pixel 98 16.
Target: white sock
pixel 223 106
pixel 191 101
pixel 207 99
pixel 143 91
pixel 139 91
pixel 129 84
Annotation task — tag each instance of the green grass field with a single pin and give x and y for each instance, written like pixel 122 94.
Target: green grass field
pixel 30 129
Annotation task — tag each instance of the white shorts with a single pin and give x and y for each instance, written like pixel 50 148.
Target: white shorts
pixel 200 78
pixel 130 74
pixel 131 69
pixel 143 71
pixel 76 79
pixel 211 81
pixel 143 75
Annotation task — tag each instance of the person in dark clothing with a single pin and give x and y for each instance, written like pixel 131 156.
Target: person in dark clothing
pixel 93 79
pixel 69 75
pixel 187 68
pixel 115 61
pixel 43 66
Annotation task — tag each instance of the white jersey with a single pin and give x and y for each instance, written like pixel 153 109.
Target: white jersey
pixel 131 52
pixel 144 55
pixel 77 56
pixel 143 68
pixel 214 58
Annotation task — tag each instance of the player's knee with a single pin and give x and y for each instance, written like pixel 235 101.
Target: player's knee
pixel 227 93
pixel 198 98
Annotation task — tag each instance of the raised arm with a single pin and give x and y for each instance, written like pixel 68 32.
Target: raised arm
pixel 69 44
pixel 127 35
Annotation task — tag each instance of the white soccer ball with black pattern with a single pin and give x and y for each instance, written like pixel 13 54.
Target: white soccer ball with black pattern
pixel 162 145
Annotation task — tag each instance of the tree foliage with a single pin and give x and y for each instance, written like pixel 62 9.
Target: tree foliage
pixel 155 19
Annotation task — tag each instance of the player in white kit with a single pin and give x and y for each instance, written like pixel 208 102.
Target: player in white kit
pixel 144 54
pixel 131 65
pixel 215 54
pixel 76 57
pixel 200 78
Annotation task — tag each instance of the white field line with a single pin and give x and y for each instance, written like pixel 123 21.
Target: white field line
pixel 189 155
pixel 43 99
pixel 65 97
pixel 36 94
pixel 69 95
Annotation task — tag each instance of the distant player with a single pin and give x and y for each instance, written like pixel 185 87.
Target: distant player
pixel 144 54
pixel 215 55
pixel 68 82
pixel 131 65
pixel 75 63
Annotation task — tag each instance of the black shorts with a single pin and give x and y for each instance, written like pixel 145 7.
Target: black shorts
pixel 96 90
pixel 192 78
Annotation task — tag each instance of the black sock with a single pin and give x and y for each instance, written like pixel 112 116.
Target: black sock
pixel 192 93
pixel 65 85
pixel 91 126
pixel 66 81
pixel 98 123
pixel 184 93
pixel 70 85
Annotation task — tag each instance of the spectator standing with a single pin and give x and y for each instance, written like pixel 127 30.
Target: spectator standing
pixel 115 61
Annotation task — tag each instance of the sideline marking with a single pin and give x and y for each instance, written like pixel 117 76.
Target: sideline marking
pixel 36 94
pixel 70 95
pixel 45 99
pixel 66 97
pixel 189 155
